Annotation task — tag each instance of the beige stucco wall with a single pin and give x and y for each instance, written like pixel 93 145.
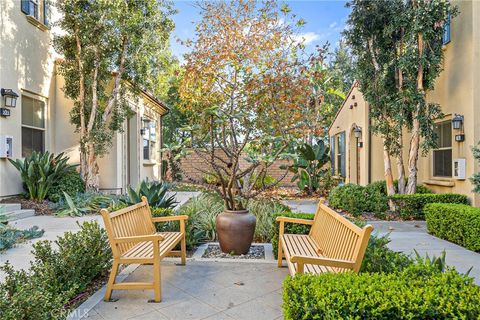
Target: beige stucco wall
pixel 353 112
pixel 27 65
pixel 455 91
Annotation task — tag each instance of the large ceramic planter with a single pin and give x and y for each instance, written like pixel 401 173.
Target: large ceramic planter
pixel 235 231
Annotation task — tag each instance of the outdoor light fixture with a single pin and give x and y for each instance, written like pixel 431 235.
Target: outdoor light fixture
pixel 10 97
pixel 457 121
pixel 357 132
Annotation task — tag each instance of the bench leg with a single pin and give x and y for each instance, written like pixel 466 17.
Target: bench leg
pixel 157 281
pixel 280 252
pixel 111 280
pixel 183 246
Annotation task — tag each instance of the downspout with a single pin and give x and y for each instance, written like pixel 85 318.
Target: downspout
pixel 369 147
pixel 161 143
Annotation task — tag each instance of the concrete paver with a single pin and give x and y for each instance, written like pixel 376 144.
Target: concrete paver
pixel 201 290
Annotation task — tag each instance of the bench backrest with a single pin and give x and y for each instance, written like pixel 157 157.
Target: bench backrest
pixel 135 220
pixel 339 238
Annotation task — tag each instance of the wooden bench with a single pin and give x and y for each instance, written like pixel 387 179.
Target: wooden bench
pixel 134 240
pixel 334 244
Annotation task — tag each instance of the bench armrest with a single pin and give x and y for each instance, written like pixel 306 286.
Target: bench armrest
pixel 328 262
pixel 149 237
pixel 170 218
pixel 294 220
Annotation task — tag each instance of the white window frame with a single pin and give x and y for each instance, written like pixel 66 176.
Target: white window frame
pixel 44 129
pixel 445 122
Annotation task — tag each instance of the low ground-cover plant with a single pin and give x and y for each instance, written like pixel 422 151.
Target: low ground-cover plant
pixel 40 171
pixel 59 272
pixel 71 183
pixel 420 291
pixel 10 235
pixel 410 206
pixel 457 223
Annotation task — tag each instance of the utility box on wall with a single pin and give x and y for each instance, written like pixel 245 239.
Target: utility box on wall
pixel 6 146
pixel 459 168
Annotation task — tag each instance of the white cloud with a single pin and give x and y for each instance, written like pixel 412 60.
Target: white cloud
pixel 332 25
pixel 308 37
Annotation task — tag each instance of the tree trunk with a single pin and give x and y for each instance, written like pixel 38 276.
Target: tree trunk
pixel 401 169
pixel 413 155
pixel 387 163
pixel 90 168
pixel 415 140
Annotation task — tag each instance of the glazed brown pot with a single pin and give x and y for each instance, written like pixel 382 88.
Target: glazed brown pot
pixel 235 231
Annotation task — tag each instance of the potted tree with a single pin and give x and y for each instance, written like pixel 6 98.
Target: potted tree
pixel 244 89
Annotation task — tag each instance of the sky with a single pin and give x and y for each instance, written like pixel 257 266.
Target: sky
pixel 325 21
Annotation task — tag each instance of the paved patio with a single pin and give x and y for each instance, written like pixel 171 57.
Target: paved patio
pixel 201 290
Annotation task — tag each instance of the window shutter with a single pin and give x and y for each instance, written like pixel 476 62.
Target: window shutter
pixel 332 154
pixel 25 6
pixel 446 30
pixel 341 149
pixel 46 13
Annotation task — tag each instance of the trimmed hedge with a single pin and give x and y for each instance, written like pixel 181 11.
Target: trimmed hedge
pixel 292 228
pixel 457 223
pixel 418 292
pixel 410 206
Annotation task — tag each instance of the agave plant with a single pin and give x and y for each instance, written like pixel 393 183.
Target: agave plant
pixel 156 193
pixel 309 166
pixel 40 170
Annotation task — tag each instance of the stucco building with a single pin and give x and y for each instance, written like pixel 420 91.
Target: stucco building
pixel 40 119
pixel 448 168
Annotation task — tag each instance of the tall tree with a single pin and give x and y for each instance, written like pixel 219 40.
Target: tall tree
pixel 398 49
pixel 244 84
pixel 111 50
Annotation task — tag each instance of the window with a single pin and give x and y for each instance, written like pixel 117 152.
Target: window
pixel 39 9
pixel 33 126
pixel 442 156
pixel 340 154
pixel 446 31
pixel 149 139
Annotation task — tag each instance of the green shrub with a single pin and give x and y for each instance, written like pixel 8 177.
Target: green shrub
pixel 40 171
pixel 292 228
pixel 379 258
pixel 350 198
pixel 164 226
pixel 410 206
pixel 59 272
pixel 154 191
pixel 70 182
pixel 457 223
pixel 417 292
pixel 264 209
pixel 202 212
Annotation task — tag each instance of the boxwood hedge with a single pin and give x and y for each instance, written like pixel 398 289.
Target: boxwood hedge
pixel 417 292
pixel 457 223
pixel 410 206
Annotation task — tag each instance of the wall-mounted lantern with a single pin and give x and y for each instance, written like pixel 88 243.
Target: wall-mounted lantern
pixel 357 132
pixel 10 97
pixel 457 122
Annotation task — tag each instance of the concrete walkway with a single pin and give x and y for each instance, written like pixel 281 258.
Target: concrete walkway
pixel 409 235
pixel 200 290
pixel 20 255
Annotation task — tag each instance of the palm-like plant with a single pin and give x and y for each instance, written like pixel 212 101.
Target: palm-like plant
pixel 156 193
pixel 309 166
pixel 40 170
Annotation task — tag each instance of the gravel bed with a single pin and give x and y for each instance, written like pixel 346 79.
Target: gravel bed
pixel 213 251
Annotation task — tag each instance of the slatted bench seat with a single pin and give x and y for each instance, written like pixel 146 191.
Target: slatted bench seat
pixel 334 244
pixel 134 240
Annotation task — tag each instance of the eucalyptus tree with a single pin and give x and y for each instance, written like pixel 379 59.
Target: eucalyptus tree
pixel 111 50
pixel 397 46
